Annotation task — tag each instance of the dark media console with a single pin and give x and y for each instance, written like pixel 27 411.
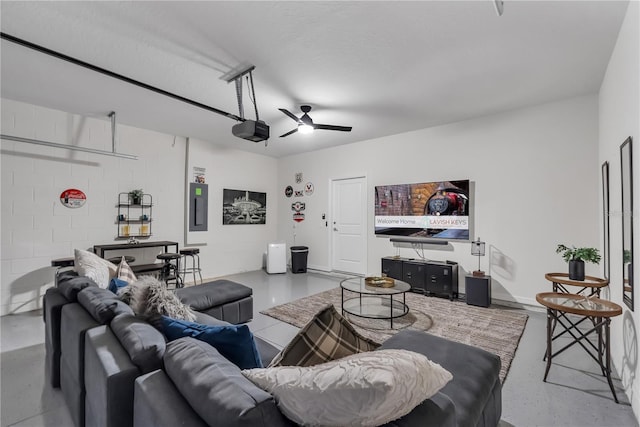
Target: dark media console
pixel 427 277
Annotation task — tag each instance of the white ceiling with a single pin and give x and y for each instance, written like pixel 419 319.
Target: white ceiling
pixel 383 67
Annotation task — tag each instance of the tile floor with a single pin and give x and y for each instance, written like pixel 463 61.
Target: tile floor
pixel 576 394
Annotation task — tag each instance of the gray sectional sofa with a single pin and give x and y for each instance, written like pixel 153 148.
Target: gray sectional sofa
pixel 116 369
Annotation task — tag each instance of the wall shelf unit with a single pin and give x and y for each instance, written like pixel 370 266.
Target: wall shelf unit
pixel 134 219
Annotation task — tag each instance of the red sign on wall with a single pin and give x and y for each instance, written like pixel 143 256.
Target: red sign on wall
pixel 73 198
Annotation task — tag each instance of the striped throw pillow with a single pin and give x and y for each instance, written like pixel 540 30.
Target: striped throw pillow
pixel 125 272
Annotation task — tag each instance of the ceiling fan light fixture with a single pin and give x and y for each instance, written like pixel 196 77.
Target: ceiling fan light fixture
pixel 305 129
pixel 306 125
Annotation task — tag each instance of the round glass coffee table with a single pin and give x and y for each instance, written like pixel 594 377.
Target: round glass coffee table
pixel 372 302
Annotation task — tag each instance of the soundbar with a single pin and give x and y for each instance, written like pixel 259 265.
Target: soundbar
pixel 423 240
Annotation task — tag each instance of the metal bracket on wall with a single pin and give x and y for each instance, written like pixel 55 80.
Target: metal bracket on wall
pixel 112 153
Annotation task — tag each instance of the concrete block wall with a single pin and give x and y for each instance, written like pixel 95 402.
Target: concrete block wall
pixel 37 227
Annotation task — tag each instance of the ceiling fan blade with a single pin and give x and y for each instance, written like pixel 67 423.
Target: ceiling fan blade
pixel 289 133
pixel 332 127
pixel 288 113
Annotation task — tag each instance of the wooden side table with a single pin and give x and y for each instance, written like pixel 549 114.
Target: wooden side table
pixel 595 309
pixel 561 281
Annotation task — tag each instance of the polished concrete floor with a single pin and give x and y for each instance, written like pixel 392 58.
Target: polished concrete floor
pixel 576 394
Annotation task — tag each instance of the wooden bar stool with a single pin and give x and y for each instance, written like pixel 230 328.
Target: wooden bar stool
pixel 193 253
pixel 170 269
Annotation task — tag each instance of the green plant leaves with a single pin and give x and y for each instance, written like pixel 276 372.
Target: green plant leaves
pixel 591 255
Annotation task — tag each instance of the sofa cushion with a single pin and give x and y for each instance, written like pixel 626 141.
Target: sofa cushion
pixel 102 304
pixel 109 375
pixel 144 343
pixel 267 351
pixel 158 403
pixel 53 302
pixel 234 342
pixel 476 372
pixel 91 265
pixel 328 336
pixel 364 389
pixel 69 284
pixel 216 389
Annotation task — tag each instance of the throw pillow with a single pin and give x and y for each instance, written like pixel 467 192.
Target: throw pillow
pixel 234 342
pixel 328 336
pixel 364 389
pixel 92 266
pixel 124 272
pixel 116 284
pixel 150 298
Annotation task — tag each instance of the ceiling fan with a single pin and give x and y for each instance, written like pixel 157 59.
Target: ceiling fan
pixel 306 125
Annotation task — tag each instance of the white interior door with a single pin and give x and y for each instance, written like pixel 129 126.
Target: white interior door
pixel 349 219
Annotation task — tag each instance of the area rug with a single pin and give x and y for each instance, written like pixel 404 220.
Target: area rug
pixel 493 329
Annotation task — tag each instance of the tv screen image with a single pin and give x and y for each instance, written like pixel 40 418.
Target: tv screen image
pixel 438 210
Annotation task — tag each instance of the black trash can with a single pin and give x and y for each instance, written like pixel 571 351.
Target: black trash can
pixel 299 259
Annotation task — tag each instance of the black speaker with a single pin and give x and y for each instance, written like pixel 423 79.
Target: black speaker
pixel 478 290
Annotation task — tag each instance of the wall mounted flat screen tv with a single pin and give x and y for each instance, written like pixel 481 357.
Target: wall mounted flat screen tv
pixel 430 210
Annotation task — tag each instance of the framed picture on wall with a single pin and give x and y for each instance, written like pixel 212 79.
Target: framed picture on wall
pixel 606 241
pixel 626 173
pixel 243 207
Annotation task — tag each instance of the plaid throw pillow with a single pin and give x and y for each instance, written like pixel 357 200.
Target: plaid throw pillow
pixel 125 272
pixel 328 336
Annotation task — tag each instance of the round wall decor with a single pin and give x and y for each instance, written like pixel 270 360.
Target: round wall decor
pixel 288 191
pixel 73 198
pixel 308 188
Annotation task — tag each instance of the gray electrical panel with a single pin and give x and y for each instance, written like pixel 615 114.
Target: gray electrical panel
pixel 198 206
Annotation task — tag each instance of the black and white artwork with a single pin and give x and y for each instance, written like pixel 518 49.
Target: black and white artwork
pixel 243 207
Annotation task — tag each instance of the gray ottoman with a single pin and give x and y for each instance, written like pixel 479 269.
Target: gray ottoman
pixel 222 299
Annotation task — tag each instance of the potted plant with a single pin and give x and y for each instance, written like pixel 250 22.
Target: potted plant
pixel 576 258
pixel 135 196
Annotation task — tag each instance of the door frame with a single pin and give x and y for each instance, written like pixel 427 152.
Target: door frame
pixel 365 220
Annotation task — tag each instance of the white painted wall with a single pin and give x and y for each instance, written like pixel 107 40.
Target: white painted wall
pixel 37 228
pixel 536 175
pixel 619 104
pixel 227 249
